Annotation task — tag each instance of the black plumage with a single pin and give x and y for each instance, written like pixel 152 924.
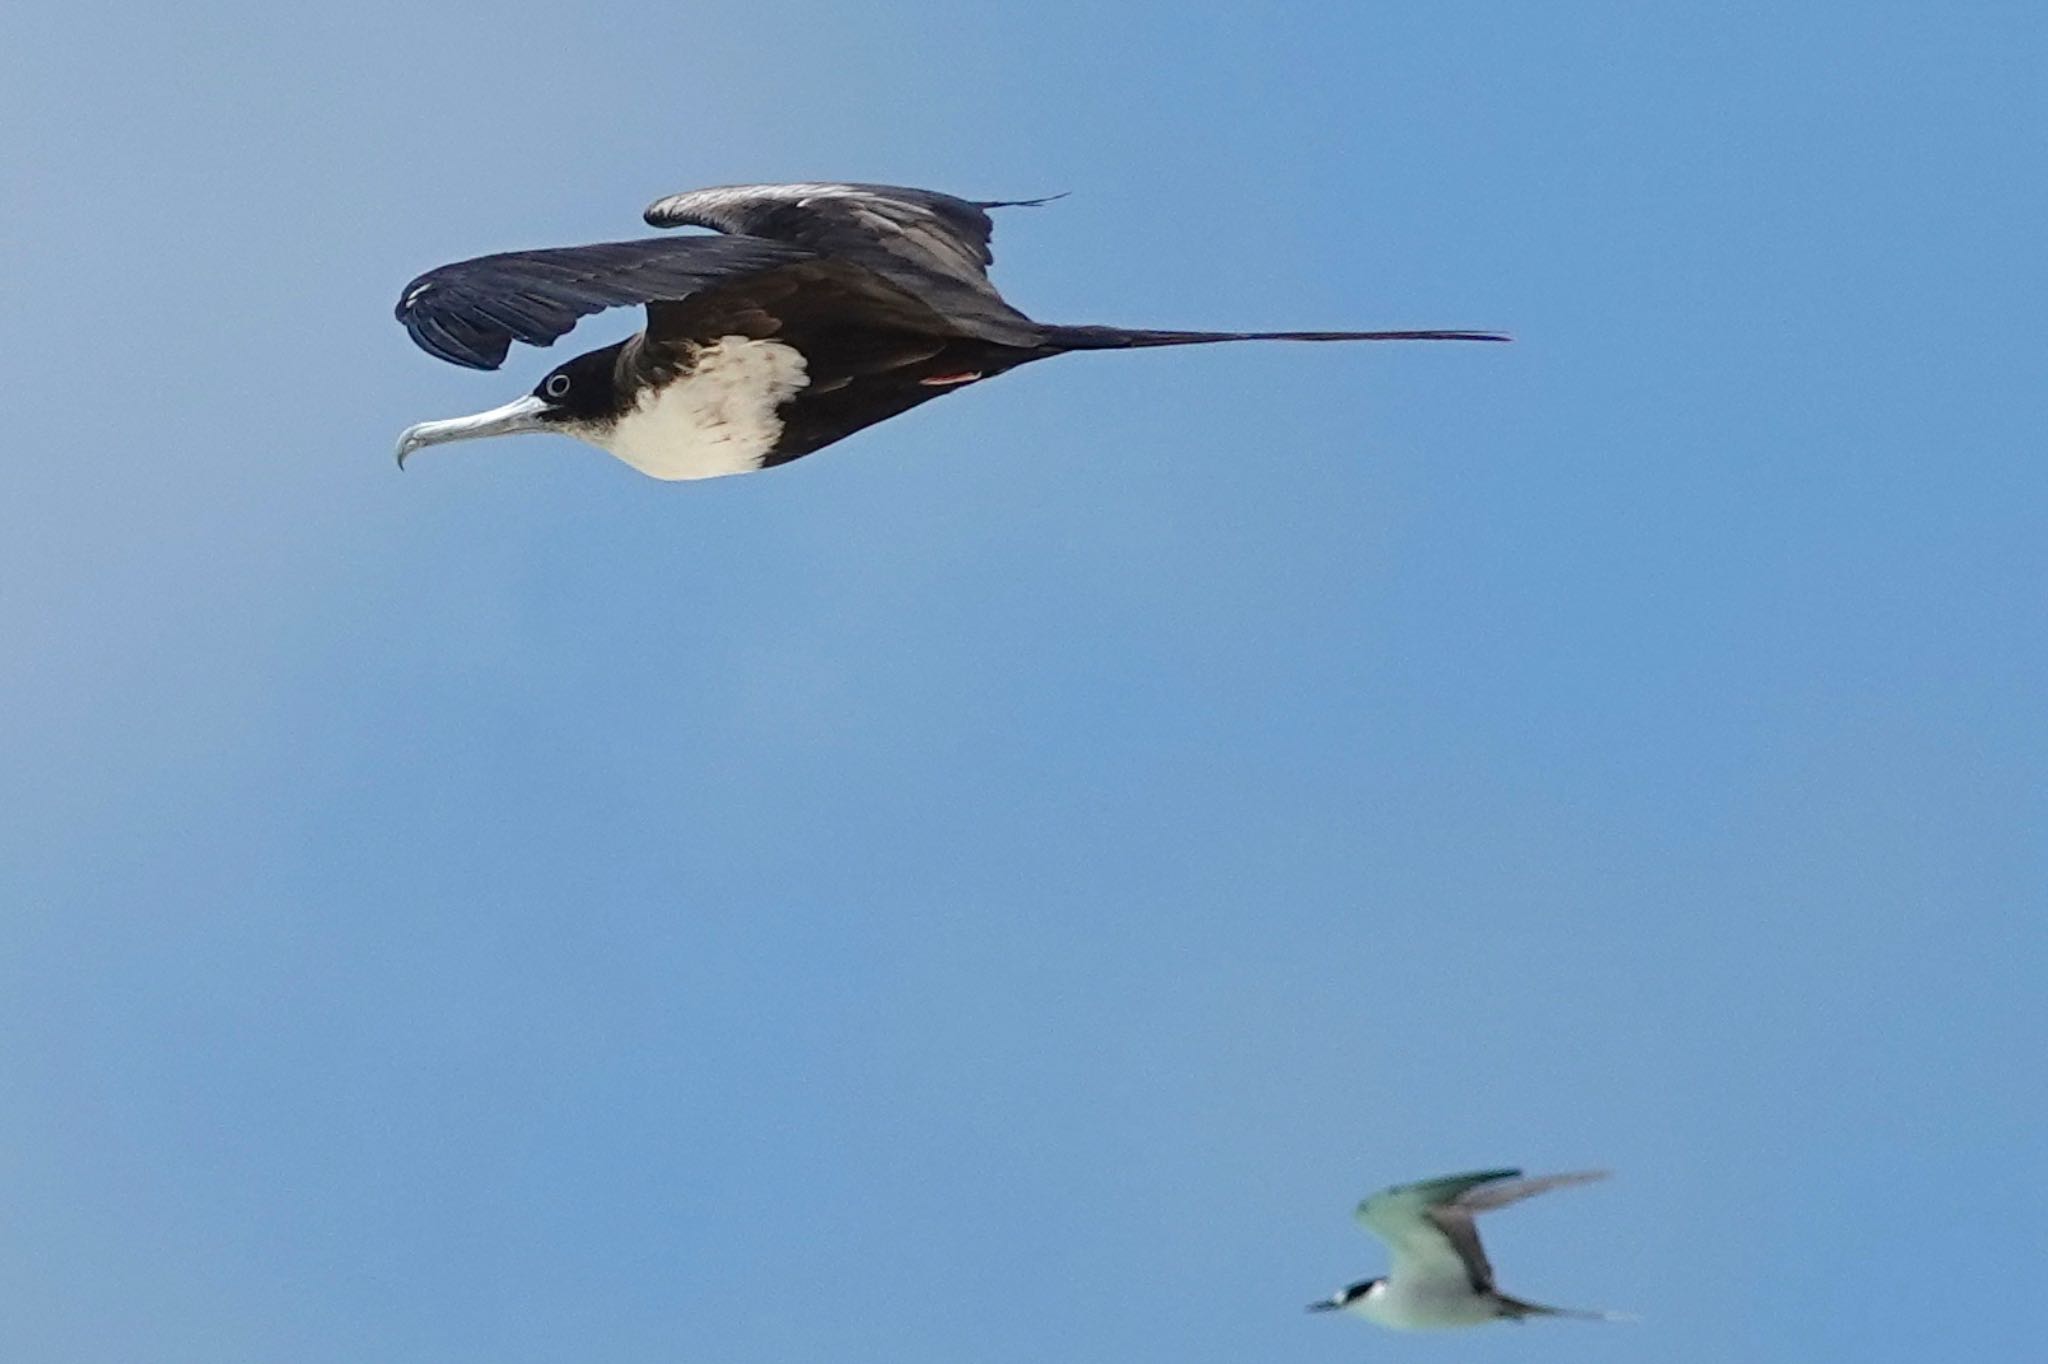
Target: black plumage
pixel 470 313
pixel 883 293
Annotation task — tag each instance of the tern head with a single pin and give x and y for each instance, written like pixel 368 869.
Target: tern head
pixel 1349 1296
pixel 576 398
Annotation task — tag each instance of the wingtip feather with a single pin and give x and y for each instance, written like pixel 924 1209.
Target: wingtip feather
pixel 1022 203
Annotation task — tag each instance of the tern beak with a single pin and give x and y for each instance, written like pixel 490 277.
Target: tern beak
pixel 522 414
pixel 1326 1305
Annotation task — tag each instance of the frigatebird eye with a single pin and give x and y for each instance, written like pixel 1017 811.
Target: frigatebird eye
pixel 557 385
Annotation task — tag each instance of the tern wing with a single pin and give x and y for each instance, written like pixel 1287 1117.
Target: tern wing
pixel 1429 1224
pixel 1426 1243
pixel 1511 1190
pixel 471 312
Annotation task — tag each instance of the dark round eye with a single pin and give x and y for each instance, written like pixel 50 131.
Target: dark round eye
pixel 557 385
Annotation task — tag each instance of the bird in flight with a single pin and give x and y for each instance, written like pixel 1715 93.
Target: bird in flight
pixel 1440 1275
pixel 818 309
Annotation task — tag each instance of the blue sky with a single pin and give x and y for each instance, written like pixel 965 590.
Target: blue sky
pixel 1001 889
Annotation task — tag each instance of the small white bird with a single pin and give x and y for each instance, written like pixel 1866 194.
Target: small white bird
pixel 1440 1276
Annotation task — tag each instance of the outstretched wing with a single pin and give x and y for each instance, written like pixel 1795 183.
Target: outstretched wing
pixel 1428 1245
pixel 946 233
pixel 471 312
pixel 1500 1195
pixel 1454 1218
pixel 928 242
pixel 1429 1225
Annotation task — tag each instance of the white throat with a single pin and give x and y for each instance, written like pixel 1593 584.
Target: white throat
pixel 720 418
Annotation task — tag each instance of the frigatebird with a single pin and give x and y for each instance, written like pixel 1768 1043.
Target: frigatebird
pixel 823 308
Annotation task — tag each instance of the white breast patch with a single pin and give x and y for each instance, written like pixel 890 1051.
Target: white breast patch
pixel 719 418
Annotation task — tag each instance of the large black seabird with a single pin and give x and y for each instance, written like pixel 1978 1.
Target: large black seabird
pixel 820 310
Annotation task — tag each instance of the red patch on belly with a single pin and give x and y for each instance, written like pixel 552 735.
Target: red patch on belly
pixel 945 380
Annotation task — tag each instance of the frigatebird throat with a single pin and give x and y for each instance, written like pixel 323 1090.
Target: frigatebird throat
pixel 820 310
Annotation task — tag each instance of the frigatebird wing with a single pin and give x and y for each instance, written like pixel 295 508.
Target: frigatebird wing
pixel 932 243
pixel 471 312
pixel 943 232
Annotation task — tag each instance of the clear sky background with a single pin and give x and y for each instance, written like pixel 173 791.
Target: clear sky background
pixel 1001 889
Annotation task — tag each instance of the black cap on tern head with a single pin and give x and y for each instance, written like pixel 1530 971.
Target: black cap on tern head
pixel 1345 1296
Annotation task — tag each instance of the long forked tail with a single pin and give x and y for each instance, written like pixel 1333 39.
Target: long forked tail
pixel 1517 1310
pixel 1122 338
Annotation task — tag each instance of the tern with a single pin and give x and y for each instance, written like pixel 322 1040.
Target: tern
pixel 821 309
pixel 1440 1276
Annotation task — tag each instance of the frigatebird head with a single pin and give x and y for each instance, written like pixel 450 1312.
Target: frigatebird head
pixel 575 398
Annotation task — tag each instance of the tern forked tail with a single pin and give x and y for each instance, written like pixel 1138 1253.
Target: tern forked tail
pixel 1515 1309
